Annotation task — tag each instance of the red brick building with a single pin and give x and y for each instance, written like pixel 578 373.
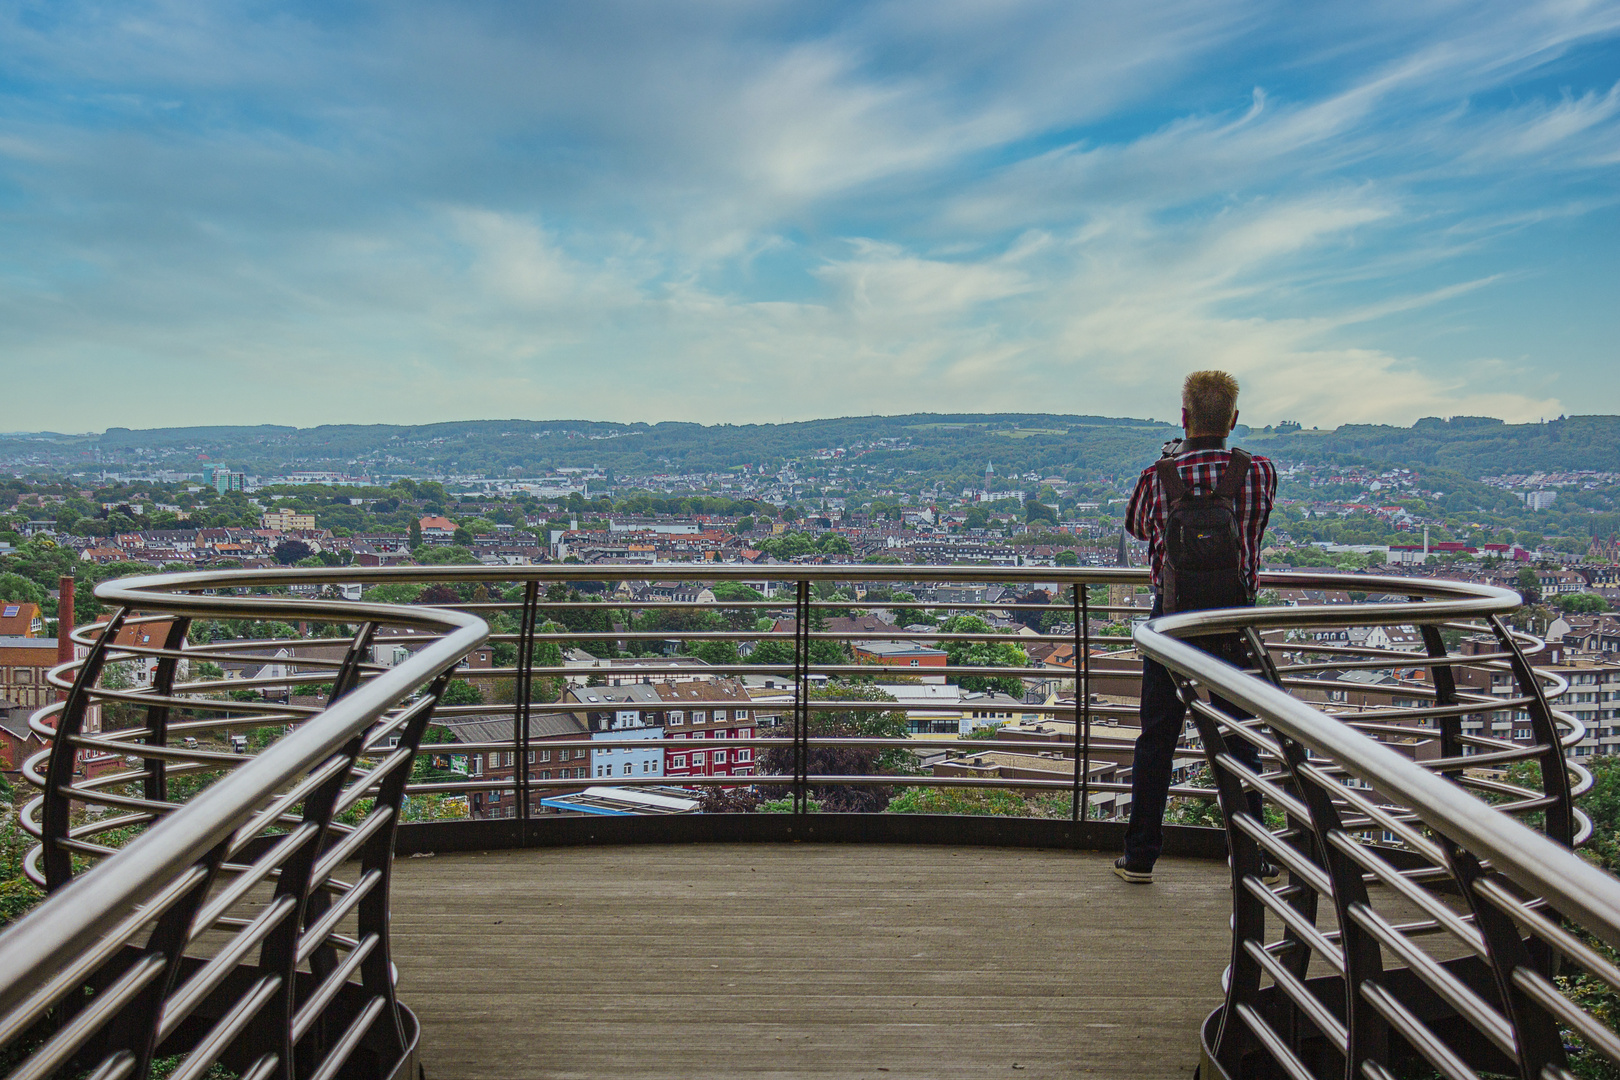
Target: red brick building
pixel 700 717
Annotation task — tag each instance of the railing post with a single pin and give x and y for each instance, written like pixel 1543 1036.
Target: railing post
pixel 377 970
pixel 1248 915
pixel 1560 816
pixel 1536 1035
pixel 58 862
pixel 524 684
pixel 801 697
pixel 1368 1032
pixel 156 784
pixel 1080 602
pixel 1445 693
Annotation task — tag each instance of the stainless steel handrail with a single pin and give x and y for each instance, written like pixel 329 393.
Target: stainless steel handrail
pixel 142 900
pixel 337 747
pixel 1430 842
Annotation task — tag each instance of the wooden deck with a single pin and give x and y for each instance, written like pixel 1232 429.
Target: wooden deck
pixel 767 960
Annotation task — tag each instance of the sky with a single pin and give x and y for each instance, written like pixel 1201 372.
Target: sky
pixel 731 211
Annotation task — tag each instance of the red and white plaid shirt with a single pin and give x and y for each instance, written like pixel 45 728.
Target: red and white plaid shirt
pixel 1201 470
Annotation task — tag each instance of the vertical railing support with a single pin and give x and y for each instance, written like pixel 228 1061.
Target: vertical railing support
pixel 801 697
pixel 58 861
pixel 377 970
pixel 1445 693
pixel 1080 605
pixel 1560 815
pixel 156 784
pixel 524 710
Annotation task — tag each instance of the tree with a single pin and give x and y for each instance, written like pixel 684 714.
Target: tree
pixel 19 590
pixel 981 654
pixel 452 555
pixel 1582 603
pixel 1067 558
pixel 1038 511
pixel 735 590
pixel 291 551
pixel 461 692
pixel 877 722
pixel 1529 586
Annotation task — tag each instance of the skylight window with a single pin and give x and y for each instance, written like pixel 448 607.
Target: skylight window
pixel 11 611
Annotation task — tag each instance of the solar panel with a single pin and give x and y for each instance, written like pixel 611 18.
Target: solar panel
pixel 11 611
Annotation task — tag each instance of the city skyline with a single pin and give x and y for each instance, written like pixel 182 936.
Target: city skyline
pixel 422 213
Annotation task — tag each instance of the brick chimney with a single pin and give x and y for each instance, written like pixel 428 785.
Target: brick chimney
pixel 64 623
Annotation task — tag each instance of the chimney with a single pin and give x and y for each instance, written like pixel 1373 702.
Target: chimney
pixel 64 622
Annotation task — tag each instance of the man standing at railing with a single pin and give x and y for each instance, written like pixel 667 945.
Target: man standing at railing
pixel 1203 510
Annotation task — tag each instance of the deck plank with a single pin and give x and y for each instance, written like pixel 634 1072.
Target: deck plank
pixel 806 960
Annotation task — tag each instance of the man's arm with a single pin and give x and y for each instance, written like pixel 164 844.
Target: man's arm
pixel 1139 511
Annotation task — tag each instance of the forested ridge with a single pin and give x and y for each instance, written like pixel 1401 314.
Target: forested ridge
pixel 931 444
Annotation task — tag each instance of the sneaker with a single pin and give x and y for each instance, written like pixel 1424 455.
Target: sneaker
pixel 1135 874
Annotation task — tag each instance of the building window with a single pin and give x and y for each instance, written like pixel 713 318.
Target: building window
pixel 719 757
pixel 494 796
pixel 676 719
pixel 628 768
pixel 745 755
pixel 577 755
pixel 477 765
pixel 697 760
pixel 700 717
pixel 545 774
pixel 740 714
pixel 531 757
pixel 646 766
pixel 545 755
pixel 678 761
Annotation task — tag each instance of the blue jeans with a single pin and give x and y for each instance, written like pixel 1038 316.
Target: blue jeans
pixel 1162 716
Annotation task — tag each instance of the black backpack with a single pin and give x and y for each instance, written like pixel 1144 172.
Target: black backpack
pixel 1203 554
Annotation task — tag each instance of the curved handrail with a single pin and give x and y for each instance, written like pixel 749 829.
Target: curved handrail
pixel 1519 885
pixel 207 835
pixel 168 872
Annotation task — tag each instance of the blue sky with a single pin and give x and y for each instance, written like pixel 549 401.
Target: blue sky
pixel 753 211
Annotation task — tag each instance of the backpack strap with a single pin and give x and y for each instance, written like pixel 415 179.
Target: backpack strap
pixel 1170 479
pixel 1232 479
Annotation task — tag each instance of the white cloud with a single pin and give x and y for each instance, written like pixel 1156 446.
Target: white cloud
pixel 730 212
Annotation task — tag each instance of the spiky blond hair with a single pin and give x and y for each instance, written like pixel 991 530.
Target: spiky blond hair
pixel 1210 398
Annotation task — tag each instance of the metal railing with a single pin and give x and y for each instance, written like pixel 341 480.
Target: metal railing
pixel 218 934
pixel 159 902
pixel 1419 927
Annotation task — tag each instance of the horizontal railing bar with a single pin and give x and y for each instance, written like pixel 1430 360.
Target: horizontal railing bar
pixel 1274 1044
pixel 1416 1032
pixel 184 1001
pixel 1458 926
pixel 339 1055
pixel 102 1008
pixel 225 1030
pixel 247 877
pixel 1301 926
pixel 311 1009
pixel 1478 1012
pixel 316 934
pixel 1308 1003
pixel 344 850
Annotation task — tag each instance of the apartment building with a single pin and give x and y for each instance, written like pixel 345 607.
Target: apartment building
pixel 699 717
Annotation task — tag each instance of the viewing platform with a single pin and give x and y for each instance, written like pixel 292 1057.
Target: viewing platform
pixel 807 960
pixel 334 858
